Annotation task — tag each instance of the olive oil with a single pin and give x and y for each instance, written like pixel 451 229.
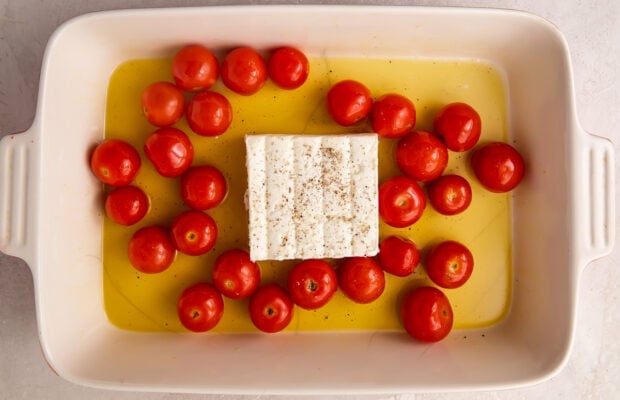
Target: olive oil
pixel 143 302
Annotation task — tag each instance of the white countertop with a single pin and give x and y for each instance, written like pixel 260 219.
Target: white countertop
pixel 592 29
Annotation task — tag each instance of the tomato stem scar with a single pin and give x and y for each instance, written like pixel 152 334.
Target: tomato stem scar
pixel 313 286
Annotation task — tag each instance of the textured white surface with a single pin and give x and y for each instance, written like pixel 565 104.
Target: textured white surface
pixel 312 196
pixel 592 29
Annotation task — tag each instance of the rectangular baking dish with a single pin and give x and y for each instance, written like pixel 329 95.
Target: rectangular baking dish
pixel 562 214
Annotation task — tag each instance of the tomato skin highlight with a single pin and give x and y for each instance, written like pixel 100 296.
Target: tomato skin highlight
pixel 151 249
pixel 244 71
pixel 288 68
pixel 271 308
pixel 163 104
pixel 200 307
pixel 209 114
pixel 126 205
pixel 393 116
pixel 421 155
pixel 401 201
pixel 194 68
pixel 449 194
pixel 312 283
pixel 194 232
pixel 361 279
pixel 348 102
pixel 115 162
pixel 426 314
pixel 203 187
pixel 498 166
pixel 235 275
pixel 459 125
pixel 170 151
pixel 398 256
pixel 449 264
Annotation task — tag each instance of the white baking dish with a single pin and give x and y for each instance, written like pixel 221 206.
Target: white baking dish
pixel 563 214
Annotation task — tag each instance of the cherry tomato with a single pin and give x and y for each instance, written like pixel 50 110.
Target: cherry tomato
pixel 271 308
pixel 361 279
pixel 498 166
pixel 459 125
pixel 312 283
pixel 200 307
pixel 194 232
pixel 170 151
pixel 401 201
pixel 162 103
pixel 426 314
pixel 288 68
pixel 203 187
pixel 348 102
pixel 194 68
pixel 235 275
pixel 151 249
pixel 422 156
pixel 449 194
pixel 398 256
pixel 244 71
pixel 209 113
pixel 449 264
pixel 126 205
pixel 393 116
pixel 115 162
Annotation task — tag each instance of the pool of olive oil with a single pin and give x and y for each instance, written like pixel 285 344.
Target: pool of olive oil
pixel 143 302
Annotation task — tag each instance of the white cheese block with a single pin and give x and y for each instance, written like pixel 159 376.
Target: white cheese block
pixel 312 196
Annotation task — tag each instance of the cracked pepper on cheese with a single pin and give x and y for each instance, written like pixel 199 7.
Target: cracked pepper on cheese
pixel 312 196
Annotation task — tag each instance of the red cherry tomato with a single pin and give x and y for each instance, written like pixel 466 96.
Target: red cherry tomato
pixel 288 68
pixel 271 308
pixel 312 283
pixel 244 71
pixel 209 114
pixel 401 201
pixel 449 264
pixel 449 194
pixel 162 103
pixel 459 125
pixel 398 256
pixel 194 232
pixel 151 249
pixel 194 68
pixel 126 205
pixel 115 162
pixel 170 151
pixel 422 156
pixel 498 166
pixel 203 187
pixel 393 116
pixel 426 314
pixel 348 102
pixel 361 279
pixel 235 275
pixel 200 307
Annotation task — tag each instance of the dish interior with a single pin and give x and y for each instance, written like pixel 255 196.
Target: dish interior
pixel 147 302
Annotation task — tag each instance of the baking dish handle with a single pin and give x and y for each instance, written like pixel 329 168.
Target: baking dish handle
pixel 599 226
pixel 18 166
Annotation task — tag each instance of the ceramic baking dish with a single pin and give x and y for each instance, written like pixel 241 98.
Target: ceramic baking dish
pixel 562 214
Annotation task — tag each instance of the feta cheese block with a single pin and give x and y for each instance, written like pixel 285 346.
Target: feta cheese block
pixel 312 196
